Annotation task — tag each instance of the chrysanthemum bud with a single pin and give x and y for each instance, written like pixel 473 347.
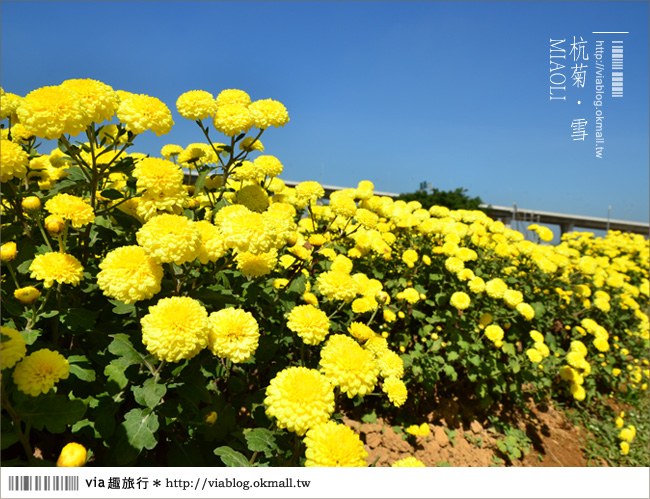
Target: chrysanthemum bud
pixel 210 418
pixel 72 455
pixel 27 295
pixel 31 203
pixel 54 225
pixel 8 251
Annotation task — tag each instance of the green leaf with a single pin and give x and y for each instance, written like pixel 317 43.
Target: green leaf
pixel 8 439
pixel 200 181
pixel 75 174
pixel 31 335
pixel 123 348
pixel 450 372
pixel 369 418
pixel 141 426
pixel 508 348
pixel 260 440
pixel 298 285
pixel 475 360
pixel 149 394
pixel 112 194
pixel 83 373
pixel 214 299
pixel 79 319
pixel 464 345
pixel 452 355
pixel 53 412
pixel 539 309
pixel 232 458
pixel 121 308
pixel 114 371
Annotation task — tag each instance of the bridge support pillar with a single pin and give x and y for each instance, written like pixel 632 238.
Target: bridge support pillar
pixel 567 227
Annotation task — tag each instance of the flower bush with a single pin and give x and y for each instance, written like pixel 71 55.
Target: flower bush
pixel 227 320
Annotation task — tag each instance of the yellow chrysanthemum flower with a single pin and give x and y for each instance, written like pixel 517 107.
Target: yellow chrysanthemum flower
pixel 175 328
pixel 50 112
pixel 12 349
pixel 170 151
pixel 72 455
pixel 129 274
pixel 212 246
pixel 56 267
pixel 343 205
pixel 9 103
pixel 99 100
pixel 13 161
pixel 601 344
pixel 376 345
pixel 460 300
pixel 309 192
pixel 268 165
pixel 310 323
pixel 334 445
pixel 245 230
pixel 140 113
pixel 196 105
pixel 233 96
pixel 390 364
pixel 408 462
pixel 299 398
pixel 337 285
pixel 411 295
pixel 40 371
pixel 494 333
pixel 71 208
pixel 234 334
pixel 254 197
pixel 170 238
pixel 268 112
pixel 349 366
pixel 454 264
pixel 409 257
pixel 396 390
pixel 534 355
pixel 156 175
pixel 250 144
pixel 526 311
pixel 476 285
pixel 513 298
pixel 366 218
pixel 232 119
pixel 256 264
pixel 496 288
pixel 628 433
pixel 625 448
pixel 360 331
pixel 578 392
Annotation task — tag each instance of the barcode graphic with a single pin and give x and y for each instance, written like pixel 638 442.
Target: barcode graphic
pixel 20 483
pixel 617 69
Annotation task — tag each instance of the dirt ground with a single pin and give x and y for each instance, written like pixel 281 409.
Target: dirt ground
pixel 454 442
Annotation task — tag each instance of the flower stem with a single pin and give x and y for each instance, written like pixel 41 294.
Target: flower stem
pixel 13 274
pixel 15 418
pixel 47 239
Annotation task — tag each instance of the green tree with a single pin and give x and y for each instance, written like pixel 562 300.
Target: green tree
pixel 454 200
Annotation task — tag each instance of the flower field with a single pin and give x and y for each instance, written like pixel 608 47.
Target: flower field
pixel 234 321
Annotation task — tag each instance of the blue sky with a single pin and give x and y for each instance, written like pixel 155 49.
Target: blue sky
pixel 453 93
